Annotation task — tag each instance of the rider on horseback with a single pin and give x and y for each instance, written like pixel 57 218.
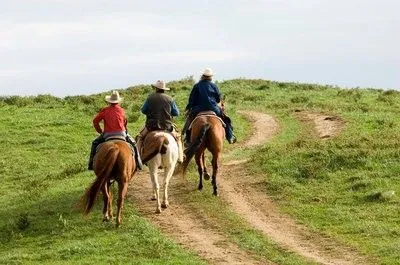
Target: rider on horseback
pixel 115 125
pixel 205 96
pixel 159 109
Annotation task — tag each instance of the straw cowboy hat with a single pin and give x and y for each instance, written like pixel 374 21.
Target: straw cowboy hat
pixel 208 72
pixel 114 98
pixel 160 85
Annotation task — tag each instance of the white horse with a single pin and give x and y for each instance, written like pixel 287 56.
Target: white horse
pixel 160 150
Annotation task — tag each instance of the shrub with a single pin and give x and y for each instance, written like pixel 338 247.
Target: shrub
pixel 23 222
pixel 299 99
pixel 18 101
pixel 354 94
pixel 46 99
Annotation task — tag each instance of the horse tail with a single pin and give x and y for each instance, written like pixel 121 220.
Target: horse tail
pixel 91 193
pixel 191 150
pixel 161 148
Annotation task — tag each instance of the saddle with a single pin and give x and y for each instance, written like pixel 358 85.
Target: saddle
pixel 116 137
pixel 112 138
pixel 208 113
pixel 174 133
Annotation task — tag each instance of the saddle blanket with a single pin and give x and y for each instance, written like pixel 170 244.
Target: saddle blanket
pixel 112 138
pixel 207 114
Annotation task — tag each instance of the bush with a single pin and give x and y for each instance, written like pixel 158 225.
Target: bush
pixel 17 101
pixel 354 94
pixel 299 99
pixel 23 222
pixel 46 99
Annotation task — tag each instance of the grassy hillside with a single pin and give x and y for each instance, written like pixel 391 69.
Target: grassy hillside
pixel 334 186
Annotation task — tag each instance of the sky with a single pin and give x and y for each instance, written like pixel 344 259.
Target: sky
pixel 71 47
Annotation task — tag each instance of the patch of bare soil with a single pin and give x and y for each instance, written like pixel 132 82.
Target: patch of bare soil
pixel 326 126
pixel 264 128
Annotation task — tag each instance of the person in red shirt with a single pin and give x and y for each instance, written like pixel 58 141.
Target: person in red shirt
pixel 114 124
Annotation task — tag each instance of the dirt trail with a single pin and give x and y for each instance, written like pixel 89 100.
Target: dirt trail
pixel 242 191
pixel 244 194
pixel 189 230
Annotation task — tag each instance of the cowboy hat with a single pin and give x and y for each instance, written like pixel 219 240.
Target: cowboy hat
pixel 160 85
pixel 114 98
pixel 208 72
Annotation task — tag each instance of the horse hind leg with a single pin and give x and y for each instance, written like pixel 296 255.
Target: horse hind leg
pixel 107 200
pixel 200 166
pixel 122 190
pixel 156 186
pixel 168 174
pixel 205 173
pixel 215 165
pixel 110 199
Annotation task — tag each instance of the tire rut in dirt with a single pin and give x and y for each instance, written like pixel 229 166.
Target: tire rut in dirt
pixel 242 191
pixel 181 225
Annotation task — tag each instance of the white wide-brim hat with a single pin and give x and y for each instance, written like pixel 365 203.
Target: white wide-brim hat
pixel 160 85
pixel 114 98
pixel 208 72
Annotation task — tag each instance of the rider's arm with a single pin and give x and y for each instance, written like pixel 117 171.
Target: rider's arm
pixel 192 97
pixel 217 93
pixel 174 109
pixel 96 121
pixel 145 107
pixel 125 122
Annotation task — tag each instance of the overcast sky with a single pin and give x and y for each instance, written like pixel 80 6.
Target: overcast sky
pixel 71 47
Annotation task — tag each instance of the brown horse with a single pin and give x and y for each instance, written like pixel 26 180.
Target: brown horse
pixel 113 161
pixel 207 133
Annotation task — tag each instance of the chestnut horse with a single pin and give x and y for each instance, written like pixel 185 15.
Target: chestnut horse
pixel 207 133
pixel 160 150
pixel 113 161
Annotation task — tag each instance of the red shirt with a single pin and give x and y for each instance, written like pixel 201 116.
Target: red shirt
pixel 113 118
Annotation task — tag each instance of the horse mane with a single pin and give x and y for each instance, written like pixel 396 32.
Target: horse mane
pixel 191 150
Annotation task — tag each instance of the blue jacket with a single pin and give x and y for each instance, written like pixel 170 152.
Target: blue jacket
pixel 205 95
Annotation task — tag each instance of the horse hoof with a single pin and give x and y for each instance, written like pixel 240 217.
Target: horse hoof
pixel 158 211
pixel 153 199
pixel 106 219
pixel 206 176
pixel 215 193
pixel 164 205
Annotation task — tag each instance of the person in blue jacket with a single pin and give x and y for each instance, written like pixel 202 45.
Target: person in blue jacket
pixel 205 95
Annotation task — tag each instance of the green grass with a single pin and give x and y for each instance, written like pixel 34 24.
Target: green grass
pixel 335 186
pixel 43 171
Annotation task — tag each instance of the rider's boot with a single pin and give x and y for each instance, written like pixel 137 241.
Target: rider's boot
pixel 229 129
pixel 136 154
pixel 95 143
